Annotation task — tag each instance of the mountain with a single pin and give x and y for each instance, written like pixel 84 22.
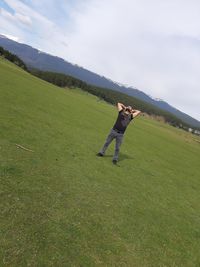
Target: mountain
pixel 43 61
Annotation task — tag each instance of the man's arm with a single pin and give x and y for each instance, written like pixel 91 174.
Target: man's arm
pixel 135 113
pixel 120 106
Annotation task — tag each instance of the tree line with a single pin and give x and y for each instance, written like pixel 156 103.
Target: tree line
pixel 109 96
pixel 13 58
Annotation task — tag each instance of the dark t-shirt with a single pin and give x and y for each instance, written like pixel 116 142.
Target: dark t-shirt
pixel 122 121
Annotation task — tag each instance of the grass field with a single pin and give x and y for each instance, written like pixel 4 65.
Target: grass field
pixel 61 205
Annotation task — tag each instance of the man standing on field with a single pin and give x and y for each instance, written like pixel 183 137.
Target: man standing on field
pixel 125 115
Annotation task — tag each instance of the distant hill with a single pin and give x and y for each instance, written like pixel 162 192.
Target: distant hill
pixel 110 96
pixel 43 61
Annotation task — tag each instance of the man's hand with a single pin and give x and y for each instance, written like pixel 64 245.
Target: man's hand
pixel 135 112
pixel 120 106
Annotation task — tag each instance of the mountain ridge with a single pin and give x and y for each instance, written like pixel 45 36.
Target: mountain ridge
pixel 35 58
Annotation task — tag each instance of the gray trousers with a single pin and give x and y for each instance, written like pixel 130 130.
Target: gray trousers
pixel 113 135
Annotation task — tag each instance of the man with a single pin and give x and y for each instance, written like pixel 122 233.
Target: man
pixel 125 115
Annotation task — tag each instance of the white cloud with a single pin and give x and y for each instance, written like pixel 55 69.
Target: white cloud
pixel 23 19
pixel 152 45
pixel 16 17
pixel 5 14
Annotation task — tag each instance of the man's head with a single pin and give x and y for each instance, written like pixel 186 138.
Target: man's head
pixel 128 109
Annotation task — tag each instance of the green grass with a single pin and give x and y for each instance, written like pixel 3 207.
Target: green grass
pixel 63 206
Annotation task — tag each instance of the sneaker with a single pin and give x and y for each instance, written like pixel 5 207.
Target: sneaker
pixel 114 161
pixel 99 154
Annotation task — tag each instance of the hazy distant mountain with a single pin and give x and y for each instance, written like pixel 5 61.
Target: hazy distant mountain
pixel 43 61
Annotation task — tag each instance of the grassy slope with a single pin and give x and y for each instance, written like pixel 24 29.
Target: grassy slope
pixel 62 206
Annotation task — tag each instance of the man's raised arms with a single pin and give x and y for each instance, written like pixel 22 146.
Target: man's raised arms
pixel 134 112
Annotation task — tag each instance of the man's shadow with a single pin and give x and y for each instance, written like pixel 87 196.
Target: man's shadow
pixel 122 156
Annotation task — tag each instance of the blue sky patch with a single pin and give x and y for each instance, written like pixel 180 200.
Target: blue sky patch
pixel 5 6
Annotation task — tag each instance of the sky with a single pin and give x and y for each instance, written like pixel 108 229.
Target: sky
pixel 150 45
